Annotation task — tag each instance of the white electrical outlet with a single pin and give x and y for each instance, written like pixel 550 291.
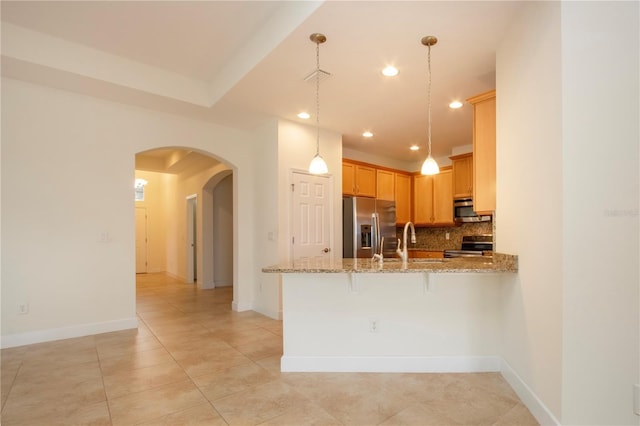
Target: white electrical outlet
pixel 23 308
pixel 446 235
pixel 374 325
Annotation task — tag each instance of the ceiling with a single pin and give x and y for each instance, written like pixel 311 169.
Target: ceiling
pixel 238 63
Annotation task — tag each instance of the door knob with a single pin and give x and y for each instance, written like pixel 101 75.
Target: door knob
pixel 326 250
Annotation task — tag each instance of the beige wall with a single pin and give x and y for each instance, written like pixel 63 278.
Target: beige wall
pixel 286 146
pixel 601 309
pixel 222 216
pixel 529 197
pixel 190 183
pixel 77 153
pixel 567 203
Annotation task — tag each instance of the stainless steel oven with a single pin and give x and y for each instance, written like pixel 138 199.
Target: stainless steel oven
pixel 463 211
pixel 473 246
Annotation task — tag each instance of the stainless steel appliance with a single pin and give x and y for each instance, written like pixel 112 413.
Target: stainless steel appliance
pixel 473 246
pixel 365 223
pixel 463 211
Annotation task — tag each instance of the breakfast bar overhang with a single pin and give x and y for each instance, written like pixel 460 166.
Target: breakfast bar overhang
pixel 356 315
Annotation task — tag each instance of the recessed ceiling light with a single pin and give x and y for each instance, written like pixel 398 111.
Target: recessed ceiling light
pixel 390 71
pixel 304 115
pixel 414 147
pixel 455 104
pixel 367 134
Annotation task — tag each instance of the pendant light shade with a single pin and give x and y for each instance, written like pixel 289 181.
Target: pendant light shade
pixel 430 166
pixel 318 165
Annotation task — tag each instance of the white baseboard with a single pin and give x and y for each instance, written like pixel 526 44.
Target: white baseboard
pixel 31 337
pixel 277 315
pixel 454 364
pixel 527 396
pixel 175 276
pixel 241 306
pixel 207 286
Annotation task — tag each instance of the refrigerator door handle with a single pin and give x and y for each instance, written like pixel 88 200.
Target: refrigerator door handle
pixel 376 233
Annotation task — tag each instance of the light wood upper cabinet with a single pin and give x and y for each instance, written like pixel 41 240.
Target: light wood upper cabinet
pixel 433 199
pixel 443 198
pixel 403 198
pixel 484 152
pixel 358 179
pixel 348 178
pixel 422 199
pixel 462 175
pixel 385 185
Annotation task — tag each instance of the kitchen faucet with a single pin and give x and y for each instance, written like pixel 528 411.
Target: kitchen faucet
pixel 403 252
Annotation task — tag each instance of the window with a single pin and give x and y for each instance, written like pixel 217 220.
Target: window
pixel 139 187
pixel 140 193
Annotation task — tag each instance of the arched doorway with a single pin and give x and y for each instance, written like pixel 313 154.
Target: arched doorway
pixel 176 177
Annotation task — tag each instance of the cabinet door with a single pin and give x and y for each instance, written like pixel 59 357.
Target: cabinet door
pixel 385 185
pixel 348 179
pixel 426 254
pixel 422 199
pixel 463 176
pixel 443 198
pixel 484 152
pixel 403 198
pixel 365 181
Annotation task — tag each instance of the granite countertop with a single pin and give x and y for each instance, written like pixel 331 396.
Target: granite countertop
pixel 498 263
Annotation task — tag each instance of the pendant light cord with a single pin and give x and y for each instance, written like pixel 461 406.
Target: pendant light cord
pixel 317 99
pixel 429 101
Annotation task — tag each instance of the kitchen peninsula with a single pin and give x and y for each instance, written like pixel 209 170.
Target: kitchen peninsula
pixel 425 315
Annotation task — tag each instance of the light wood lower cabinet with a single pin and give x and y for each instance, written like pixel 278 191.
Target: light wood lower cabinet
pixel 433 199
pixel 426 254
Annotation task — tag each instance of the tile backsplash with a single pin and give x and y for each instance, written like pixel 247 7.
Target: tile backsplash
pixel 435 238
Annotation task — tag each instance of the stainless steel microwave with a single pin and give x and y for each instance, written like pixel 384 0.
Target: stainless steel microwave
pixel 463 212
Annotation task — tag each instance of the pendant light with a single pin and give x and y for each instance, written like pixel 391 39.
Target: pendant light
pixel 318 166
pixel 429 167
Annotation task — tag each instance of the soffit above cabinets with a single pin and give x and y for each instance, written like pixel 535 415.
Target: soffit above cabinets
pixel 240 63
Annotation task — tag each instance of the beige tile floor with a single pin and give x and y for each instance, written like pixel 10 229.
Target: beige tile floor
pixel 194 361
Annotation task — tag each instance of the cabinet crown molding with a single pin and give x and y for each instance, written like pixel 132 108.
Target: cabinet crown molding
pixel 482 97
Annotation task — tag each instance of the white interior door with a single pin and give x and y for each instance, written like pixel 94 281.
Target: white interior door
pixel 141 240
pixel 311 217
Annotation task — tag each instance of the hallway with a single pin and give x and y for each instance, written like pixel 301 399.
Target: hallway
pixel 194 361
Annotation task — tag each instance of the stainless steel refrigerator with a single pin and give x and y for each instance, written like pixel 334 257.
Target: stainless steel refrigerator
pixel 365 222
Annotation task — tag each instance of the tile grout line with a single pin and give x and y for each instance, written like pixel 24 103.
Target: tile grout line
pixel 104 388
pixel 185 372
pixel 13 381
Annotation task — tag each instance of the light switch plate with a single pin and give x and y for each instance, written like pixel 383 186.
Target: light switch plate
pixel 636 400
